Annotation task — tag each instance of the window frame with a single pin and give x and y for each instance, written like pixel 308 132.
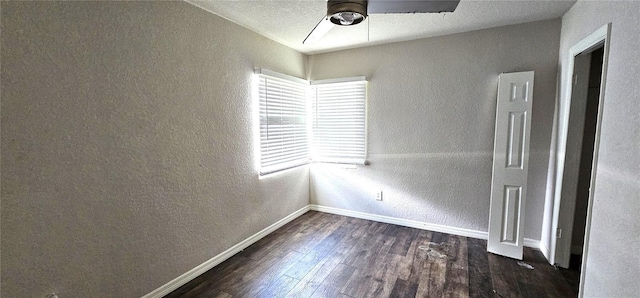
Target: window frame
pixel 310 96
pixel 362 160
pixel 262 102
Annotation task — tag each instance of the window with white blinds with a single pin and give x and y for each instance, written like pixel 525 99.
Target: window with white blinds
pixel 284 131
pixel 339 119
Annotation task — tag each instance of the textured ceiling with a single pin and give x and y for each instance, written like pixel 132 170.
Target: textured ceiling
pixel 289 22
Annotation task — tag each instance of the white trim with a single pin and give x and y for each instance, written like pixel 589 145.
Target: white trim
pixel 341 161
pixel 415 224
pixel 545 251
pixel 592 40
pixel 204 267
pixel 339 80
pixel 533 243
pixel 605 32
pixel 263 71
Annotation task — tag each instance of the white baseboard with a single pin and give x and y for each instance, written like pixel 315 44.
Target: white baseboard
pixel 416 224
pixel 533 243
pixel 546 252
pixel 204 267
pixel 403 222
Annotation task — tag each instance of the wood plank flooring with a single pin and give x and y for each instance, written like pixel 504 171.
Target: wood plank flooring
pixel 327 255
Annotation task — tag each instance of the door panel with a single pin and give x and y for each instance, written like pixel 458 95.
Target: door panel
pixel 511 214
pixel 515 143
pixel 510 164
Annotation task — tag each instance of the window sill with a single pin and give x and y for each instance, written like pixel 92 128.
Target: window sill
pixel 270 172
pixel 343 162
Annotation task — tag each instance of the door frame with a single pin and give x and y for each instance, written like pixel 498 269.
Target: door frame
pixel 600 37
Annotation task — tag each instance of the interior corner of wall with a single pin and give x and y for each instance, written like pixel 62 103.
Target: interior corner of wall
pixel 308 63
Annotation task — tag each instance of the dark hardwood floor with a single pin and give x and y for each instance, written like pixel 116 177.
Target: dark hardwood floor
pixel 327 255
pixel 572 274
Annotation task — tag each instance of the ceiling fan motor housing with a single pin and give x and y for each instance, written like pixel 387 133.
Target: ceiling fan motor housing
pixel 346 12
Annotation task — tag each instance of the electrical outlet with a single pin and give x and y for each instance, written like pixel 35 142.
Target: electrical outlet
pixel 379 196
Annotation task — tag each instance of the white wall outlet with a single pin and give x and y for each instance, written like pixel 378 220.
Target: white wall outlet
pixel 379 196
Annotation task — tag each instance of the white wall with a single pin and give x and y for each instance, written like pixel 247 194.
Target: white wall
pixel 431 116
pixel 127 146
pixel 612 261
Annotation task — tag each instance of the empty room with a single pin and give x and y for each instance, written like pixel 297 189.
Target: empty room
pixel 313 148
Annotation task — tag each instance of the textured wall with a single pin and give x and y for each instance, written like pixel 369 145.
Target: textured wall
pixel 613 261
pixel 431 118
pixel 127 146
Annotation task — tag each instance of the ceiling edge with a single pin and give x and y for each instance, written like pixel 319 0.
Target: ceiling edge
pixel 254 30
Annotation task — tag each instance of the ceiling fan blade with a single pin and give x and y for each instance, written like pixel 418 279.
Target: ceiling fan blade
pixel 319 31
pixel 411 6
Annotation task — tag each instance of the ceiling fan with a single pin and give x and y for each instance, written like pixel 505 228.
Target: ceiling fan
pixel 352 12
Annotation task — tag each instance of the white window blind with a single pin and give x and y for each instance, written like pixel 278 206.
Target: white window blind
pixel 339 121
pixel 284 139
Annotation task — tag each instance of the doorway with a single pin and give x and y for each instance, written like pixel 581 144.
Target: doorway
pixel 580 148
pixel 577 150
pixel 585 158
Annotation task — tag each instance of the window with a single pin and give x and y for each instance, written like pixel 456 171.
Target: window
pixel 338 113
pixel 284 141
pixel 299 122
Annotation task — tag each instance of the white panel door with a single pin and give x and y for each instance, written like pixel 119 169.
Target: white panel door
pixel 510 164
